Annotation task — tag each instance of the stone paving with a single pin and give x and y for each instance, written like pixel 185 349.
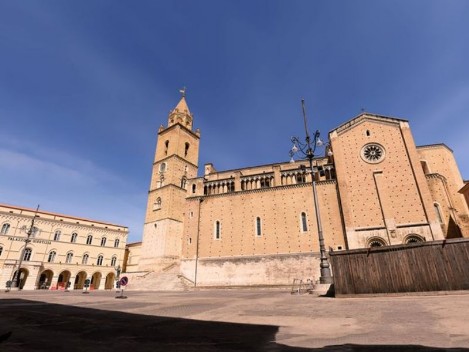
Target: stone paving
pixel 231 320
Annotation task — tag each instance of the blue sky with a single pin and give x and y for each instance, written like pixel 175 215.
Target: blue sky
pixel 84 86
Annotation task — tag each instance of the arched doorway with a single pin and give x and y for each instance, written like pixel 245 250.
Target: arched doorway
pixel 95 281
pixel 79 280
pixel 45 280
pixel 110 279
pixel 64 278
pixel 24 273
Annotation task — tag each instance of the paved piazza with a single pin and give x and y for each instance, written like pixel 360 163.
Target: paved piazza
pixel 231 320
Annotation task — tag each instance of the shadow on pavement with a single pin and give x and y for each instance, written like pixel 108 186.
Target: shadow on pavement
pixel 39 326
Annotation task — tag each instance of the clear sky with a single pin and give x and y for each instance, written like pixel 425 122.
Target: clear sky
pixel 84 86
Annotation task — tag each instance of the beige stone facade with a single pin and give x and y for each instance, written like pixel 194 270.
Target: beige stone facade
pixel 257 225
pixel 61 249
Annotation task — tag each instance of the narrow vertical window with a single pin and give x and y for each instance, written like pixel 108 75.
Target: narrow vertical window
pixel 116 243
pixel 57 235
pixel 1 250
pixel 51 257
pixel 113 261
pixel 258 227
pixel 166 145
pixel 304 222
pixel 27 254
pixel 217 230
pixel 183 182
pixel 103 241
pixel 425 168
pixel 186 150
pixel 193 188
pixel 438 212
pixel 69 258
pixel 89 239
pixel 100 260
pixel 74 237
pixel 84 261
pixel 5 228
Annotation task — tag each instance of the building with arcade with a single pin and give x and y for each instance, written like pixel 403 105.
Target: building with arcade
pixel 61 249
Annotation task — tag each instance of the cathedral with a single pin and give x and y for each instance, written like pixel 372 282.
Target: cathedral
pixel 257 226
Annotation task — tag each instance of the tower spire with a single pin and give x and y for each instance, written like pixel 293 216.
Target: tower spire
pixel 181 113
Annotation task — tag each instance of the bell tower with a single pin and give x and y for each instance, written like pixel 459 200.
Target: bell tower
pixel 176 160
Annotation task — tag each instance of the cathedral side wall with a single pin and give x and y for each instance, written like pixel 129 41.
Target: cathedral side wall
pixel 240 256
pixel 279 210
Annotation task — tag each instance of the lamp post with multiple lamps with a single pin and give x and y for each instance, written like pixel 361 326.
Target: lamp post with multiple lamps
pixel 17 277
pixel 307 150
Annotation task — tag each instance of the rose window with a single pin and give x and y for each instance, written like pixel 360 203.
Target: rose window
pixel 372 153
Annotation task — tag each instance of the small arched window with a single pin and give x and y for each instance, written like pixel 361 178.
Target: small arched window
pixel 414 239
pixel 5 228
pixel 84 261
pixel 162 167
pixel 438 212
pixel 27 254
pixel 113 261
pixel 1 250
pixel 100 260
pixel 217 230
pixel 193 188
pixel 103 241
pixel 258 226
pixel 116 243
pixel 376 242
pixel 304 222
pixel 166 145
pixel 57 235
pixel 69 258
pixel 186 149
pixel 89 239
pixel 51 257
pixel 300 178
pixel 74 237
pixel 157 204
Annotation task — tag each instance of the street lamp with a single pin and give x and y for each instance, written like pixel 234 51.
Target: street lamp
pixel 31 231
pixel 307 149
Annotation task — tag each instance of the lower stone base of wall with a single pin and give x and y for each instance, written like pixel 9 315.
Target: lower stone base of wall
pixel 269 270
pixel 157 264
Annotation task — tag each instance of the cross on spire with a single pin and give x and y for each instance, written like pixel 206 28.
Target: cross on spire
pixel 183 92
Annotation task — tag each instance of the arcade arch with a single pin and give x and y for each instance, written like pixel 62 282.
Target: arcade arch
pixel 80 280
pixel 110 279
pixel 64 278
pixel 45 279
pixel 96 280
